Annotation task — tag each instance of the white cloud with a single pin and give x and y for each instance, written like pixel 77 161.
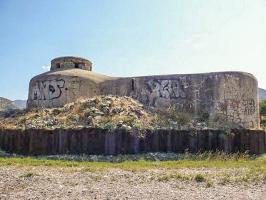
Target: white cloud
pixel 46 67
pixel 194 38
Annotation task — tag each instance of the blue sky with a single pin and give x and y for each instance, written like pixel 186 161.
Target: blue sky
pixel 131 37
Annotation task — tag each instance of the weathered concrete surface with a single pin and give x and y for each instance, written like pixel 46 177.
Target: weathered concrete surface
pixel 120 141
pixel 57 88
pixel 230 96
pixel 223 96
pixel 70 62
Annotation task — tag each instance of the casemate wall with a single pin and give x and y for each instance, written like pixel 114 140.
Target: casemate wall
pixel 230 96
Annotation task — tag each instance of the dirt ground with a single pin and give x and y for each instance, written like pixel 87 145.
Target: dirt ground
pixel 40 182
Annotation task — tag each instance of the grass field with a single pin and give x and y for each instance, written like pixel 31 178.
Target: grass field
pixel 203 160
pixel 254 167
pixel 188 176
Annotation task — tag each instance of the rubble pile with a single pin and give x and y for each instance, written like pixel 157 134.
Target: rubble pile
pixel 108 112
pixel 98 112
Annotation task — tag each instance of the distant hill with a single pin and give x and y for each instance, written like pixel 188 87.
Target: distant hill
pixel 6 104
pixel 21 104
pixel 262 94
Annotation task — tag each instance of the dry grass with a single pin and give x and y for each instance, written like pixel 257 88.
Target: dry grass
pixel 235 167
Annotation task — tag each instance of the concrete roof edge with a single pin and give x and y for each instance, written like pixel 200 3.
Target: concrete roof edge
pixel 70 57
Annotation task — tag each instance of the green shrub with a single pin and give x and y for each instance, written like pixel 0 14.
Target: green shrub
pixel 263 107
pixel 199 178
pixel 12 113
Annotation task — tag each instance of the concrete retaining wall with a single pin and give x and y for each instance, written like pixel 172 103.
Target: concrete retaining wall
pixel 99 141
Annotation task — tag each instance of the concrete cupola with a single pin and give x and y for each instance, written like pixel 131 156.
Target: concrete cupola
pixel 70 62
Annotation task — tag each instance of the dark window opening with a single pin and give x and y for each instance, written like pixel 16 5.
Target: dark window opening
pixel 133 84
pixel 58 65
pixel 76 65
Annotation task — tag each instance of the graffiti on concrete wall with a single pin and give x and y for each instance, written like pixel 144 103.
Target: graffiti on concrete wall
pixel 169 89
pixel 48 90
pixel 162 92
pixel 198 96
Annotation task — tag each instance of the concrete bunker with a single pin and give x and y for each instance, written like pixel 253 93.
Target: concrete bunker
pixel 70 62
pixel 230 95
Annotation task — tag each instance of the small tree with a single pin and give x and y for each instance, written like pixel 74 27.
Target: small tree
pixel 263 108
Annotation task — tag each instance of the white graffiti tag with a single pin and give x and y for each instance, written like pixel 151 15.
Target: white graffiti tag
pixel 169 89
pixel 48 90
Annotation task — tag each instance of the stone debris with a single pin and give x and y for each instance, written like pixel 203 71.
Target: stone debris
pixel 109 112
pixel 97 112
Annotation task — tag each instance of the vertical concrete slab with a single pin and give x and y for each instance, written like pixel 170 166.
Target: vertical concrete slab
pixel 110 143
